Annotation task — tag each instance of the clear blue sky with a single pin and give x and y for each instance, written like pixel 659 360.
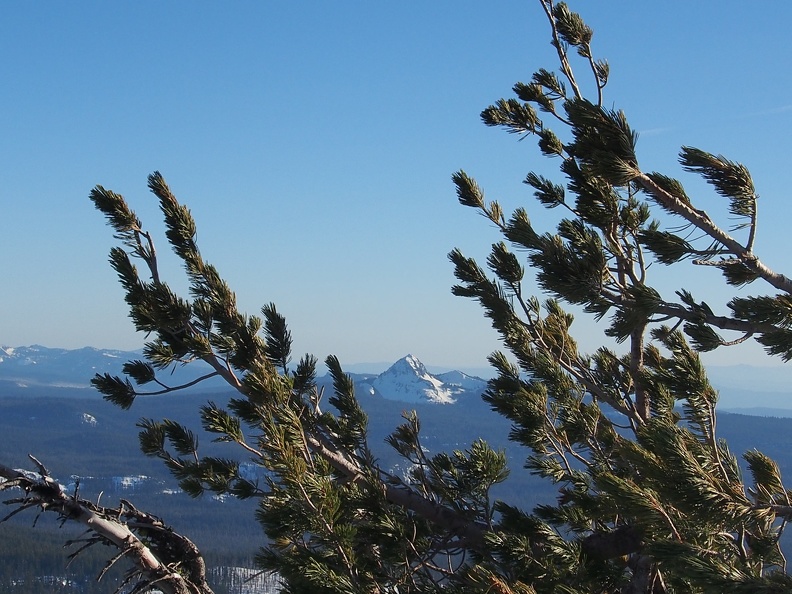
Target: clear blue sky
pixel 314 143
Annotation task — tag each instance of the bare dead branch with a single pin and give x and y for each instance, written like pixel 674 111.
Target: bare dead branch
pixel 109 526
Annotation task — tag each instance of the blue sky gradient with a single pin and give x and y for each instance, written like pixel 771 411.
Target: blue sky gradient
pixel 314 143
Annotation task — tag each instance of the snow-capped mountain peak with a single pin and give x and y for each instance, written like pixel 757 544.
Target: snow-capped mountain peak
pixel 410 364
pixel 409 380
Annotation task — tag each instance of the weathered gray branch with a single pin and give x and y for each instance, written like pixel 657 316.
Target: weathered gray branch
pixel 44 492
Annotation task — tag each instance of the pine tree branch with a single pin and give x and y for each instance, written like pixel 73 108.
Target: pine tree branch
pixel 780 511
pixel 251 357
pixel 575 371
pixel 679 312
pixel 167 389
pixel 558 44
pixel 642 400
pixel 702 221
pixel 752 226
pixel 668 310
pixel 404 496
pixel 46 493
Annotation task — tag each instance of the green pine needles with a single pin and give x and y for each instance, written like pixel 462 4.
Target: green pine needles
pixel 650 500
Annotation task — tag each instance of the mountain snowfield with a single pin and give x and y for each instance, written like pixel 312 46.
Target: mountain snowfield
pixel 407 380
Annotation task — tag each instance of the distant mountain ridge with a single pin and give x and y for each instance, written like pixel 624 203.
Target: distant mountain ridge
pixel 742 388
pixel 40 365
pixel 407 380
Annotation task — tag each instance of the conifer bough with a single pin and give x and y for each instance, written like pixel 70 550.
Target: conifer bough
pixel 650 500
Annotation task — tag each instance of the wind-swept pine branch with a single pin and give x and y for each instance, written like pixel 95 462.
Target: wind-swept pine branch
pixel 317 464
pixel 629 438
